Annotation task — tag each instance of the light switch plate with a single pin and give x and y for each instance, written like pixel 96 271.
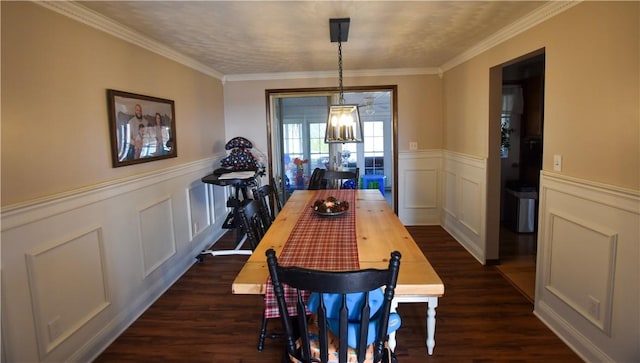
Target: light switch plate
pixel 557 162
pixel 413 145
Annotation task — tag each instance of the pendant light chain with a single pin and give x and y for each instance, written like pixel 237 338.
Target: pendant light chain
pixel 343 121
pixel 340 70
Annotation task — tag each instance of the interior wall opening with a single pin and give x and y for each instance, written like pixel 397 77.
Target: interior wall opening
pixel 522 130
pixel 296 131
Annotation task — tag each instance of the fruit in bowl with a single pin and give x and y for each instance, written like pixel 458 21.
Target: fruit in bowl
pixel 330 205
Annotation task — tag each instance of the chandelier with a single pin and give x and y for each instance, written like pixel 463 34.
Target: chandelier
pixel 343 123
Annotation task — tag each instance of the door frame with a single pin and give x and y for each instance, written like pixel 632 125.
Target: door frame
pixel 492 221
pixel 270 93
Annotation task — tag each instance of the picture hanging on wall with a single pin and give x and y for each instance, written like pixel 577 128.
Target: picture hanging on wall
pixel 142 128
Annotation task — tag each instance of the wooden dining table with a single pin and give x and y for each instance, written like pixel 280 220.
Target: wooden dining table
pixel 378 232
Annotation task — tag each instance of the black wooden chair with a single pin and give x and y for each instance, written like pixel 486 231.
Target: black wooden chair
pixel 252 222
pixel 269 200
pixel 340 179
pixel 301 346
pixel 316 181
pixel 334 179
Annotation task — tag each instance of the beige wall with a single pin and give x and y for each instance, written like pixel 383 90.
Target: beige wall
pixel 592 99
pixel 55 72
pixel 419 106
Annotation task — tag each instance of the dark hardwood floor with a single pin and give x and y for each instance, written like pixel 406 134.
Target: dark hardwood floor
pixel 481 317
pixel 518 260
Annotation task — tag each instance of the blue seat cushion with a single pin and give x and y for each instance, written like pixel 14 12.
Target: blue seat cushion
pixel 333 302
pixel 353 329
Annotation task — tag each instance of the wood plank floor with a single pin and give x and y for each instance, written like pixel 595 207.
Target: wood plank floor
pixel 481 317
pixel 518 260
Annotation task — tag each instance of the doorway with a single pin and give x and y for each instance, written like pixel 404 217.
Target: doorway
pixel 521 147
pixel 296 130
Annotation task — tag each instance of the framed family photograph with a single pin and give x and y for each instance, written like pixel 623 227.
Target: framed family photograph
pixel 142 128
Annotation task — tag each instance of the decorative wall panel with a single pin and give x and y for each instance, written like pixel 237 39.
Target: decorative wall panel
pixel 156 234
pixel 201 213
pixel 422 184
pixel 464 193
pixel 450 188
pixel 587 286
pixel 419 187
pixel 470 214
pixel 67 281
pixel 587 272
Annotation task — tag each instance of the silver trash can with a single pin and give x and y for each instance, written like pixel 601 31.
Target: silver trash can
pixel 520 210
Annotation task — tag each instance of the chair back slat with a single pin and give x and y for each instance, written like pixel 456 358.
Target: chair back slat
pixel 335 282
pixel 323 335
pixel 303 326
pixel 269 202
pixel 344 313
pixel 364 327
pixel 252 222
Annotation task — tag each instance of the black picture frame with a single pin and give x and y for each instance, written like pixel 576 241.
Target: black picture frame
pixel 142 128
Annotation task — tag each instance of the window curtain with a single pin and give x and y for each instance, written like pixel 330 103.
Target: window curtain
pixel 512 101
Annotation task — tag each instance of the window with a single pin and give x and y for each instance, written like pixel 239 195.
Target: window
pixel 373 147
pixel 318 150
pixel 293 146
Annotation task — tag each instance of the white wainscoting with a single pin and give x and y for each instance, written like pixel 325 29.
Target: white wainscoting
pixel 157 241
pixel 464 192
pixel 419 187
pixel 78 268
pixel 588 275
pixel 58 314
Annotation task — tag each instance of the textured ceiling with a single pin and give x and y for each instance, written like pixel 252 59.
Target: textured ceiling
pixel 248 37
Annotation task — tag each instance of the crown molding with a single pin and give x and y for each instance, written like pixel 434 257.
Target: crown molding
pixel 536 17
pixel 329 74
pixel 102 23
pixel 98 21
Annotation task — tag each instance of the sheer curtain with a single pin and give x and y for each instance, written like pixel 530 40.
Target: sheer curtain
pixel 512 108
pixel 512 101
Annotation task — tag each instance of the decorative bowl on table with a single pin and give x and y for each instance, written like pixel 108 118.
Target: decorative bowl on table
pixel 330 206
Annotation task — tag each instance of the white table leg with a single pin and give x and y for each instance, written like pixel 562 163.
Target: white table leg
pixel 432 304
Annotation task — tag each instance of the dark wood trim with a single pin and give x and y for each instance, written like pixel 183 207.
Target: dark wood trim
pixel 319 90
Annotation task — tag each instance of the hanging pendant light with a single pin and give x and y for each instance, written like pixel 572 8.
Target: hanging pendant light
pixel 343 123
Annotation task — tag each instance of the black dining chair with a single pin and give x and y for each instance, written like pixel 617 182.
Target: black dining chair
pixel 334 179
pixel 316 181
pixel 338 179
pixel 252 222
pixel 311 339
pixel 269 200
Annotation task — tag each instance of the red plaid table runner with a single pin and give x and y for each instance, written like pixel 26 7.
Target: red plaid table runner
pixel 320 243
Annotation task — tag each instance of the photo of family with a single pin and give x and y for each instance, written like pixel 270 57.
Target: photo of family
pixel 142 128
